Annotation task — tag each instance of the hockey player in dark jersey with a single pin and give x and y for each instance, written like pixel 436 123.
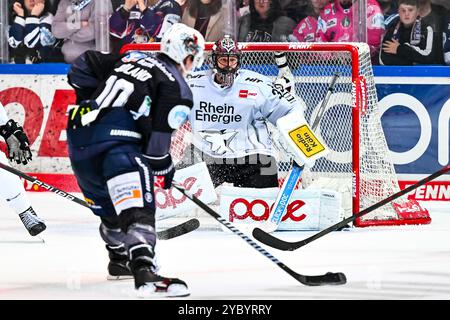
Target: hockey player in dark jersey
pixel 119 143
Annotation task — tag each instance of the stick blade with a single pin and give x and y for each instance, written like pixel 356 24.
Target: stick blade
pixel 330 278
pixel 272 241
pixel 179 230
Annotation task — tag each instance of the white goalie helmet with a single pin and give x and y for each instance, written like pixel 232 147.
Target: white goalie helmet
pixel 181 41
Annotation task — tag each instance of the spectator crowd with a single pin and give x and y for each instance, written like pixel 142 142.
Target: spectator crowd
pixel 399 32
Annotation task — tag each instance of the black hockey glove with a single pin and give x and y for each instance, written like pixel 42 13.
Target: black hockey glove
pixel 76 113
pixel 163 170
pixel 17 142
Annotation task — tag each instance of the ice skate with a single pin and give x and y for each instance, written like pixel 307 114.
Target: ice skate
pixel 151 285
pixel 32 222
pixel 118 264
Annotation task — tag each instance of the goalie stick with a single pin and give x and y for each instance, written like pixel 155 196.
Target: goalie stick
pixel 288 187
pixel 170 233
pixel 291 246
pixel 329 278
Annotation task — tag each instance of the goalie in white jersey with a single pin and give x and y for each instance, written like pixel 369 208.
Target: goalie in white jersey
pixel 229 119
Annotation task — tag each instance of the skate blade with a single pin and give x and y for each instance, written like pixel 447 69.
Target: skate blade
pixel 115 278
pixel 173 291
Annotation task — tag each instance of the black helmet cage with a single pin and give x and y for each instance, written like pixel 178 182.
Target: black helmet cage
pixel 226 47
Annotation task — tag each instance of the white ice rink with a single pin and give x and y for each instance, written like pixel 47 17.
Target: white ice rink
pixel 409 262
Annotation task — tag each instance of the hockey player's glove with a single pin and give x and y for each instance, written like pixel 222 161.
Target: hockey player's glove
pixel 76 113
pixel 163 170
pixel 17 142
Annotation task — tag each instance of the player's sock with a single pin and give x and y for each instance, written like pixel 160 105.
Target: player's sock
pixel 149 284
pixel 32 222
pixel 117 266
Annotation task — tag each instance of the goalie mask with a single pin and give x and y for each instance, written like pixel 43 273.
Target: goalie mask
pixel 226 59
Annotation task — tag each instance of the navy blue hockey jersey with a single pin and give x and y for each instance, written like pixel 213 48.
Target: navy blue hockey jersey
pixel 139 97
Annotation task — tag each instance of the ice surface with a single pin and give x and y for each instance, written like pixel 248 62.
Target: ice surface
pixel 408 262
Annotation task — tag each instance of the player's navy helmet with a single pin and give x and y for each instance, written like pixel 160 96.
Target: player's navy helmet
pixel 226 49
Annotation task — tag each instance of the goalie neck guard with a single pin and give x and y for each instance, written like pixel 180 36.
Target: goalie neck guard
pixel 226 50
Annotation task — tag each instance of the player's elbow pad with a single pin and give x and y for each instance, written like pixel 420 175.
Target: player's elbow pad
pixel 298 139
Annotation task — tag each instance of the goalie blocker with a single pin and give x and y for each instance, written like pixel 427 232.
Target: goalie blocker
pixel 298 140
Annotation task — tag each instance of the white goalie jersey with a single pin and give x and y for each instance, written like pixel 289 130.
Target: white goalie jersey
pixel 231 122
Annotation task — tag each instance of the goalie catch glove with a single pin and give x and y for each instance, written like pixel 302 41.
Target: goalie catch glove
pixel 17 142
pixel 163 170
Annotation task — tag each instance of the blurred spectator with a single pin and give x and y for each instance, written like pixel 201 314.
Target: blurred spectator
pixel 116 4
pixel 74 22
pixel 444 3
pixel 54 6
pixel 389 7
pixel 264 23
pixel 447 39
pixel 30 33
pixel 142 21
pixel 183 4
pixel 306 30
pixel 243 7
pixel 206 16
pixel 432 14
pixel 335 24
pixel 408 40
pixel 294 9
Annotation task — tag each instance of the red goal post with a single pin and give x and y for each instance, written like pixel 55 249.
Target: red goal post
pixel 359 166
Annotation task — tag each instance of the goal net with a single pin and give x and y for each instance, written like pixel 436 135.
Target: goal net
pixel 359 164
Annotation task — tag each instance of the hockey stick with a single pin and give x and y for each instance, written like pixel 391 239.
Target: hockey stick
pixel 288 187
pixel 329 278
pixel 291 246
pixel 172 232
